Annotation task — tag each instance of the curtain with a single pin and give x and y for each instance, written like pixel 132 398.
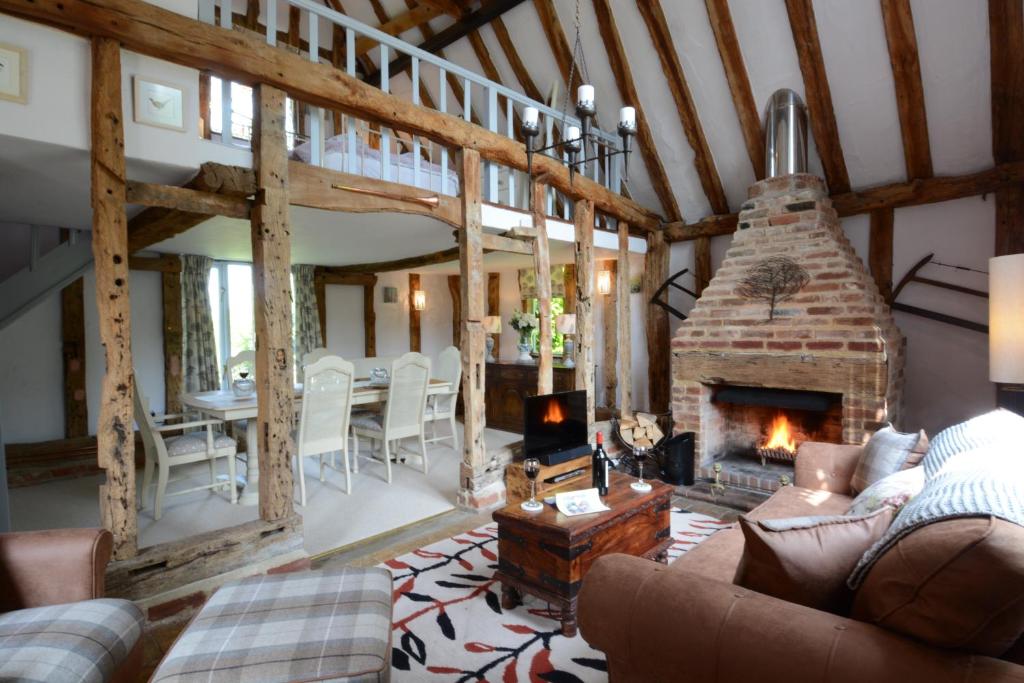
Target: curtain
pixel 528 282
pixel 307 315
pixel 201 368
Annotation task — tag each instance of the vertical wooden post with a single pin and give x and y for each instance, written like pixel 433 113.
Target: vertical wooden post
pixel 542 268
pixel 456 293
pixel 271 276
pixel 320 285
pixel 701 264
pixel 658 351
pixel 609 357
pixel 471 262
pixel 880 251
pixel 583 219
pixel 494 306
pixel 72 326
pixel 623 340
pixel 570 288
pixel 115 434
pixel 414 315
pixel 369 320
pixel 174 378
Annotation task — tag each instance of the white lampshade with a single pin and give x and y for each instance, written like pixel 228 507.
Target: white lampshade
pixel 1006 319
pixel 492 324
pixel 566 324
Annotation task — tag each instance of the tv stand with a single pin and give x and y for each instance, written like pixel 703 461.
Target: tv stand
pixel 550 480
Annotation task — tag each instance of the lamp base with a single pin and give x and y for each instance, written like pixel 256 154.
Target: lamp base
pixel 490 349
pixel 569 353
pixel 1011 397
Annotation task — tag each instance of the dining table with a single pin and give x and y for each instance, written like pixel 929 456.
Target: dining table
pixel 224 405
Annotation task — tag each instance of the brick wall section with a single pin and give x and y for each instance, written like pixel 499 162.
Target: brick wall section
pixel 835 335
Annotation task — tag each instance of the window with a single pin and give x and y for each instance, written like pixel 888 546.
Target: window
pixel 557 339
pixel 242 112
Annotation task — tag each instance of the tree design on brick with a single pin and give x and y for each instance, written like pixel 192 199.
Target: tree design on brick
pixel 772 280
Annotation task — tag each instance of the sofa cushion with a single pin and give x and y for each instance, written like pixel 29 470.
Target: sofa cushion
pixel 718 556
pixel 893 491
pixel 79 642
pixel 996 428
pixel 806 559
pixel 288 628
pixel 887 451
pixel 956 584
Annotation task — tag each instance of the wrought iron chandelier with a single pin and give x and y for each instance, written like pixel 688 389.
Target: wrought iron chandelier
pixel 579 144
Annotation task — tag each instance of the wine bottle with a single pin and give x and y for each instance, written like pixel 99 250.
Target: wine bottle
pixel 600 466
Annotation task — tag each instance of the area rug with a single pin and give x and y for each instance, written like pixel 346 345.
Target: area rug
pixel 449 624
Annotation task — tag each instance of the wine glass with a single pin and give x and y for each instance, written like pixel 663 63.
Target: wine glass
pixel 531 466
pixel 640 453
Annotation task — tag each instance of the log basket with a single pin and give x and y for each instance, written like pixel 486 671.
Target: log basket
pixel 652 466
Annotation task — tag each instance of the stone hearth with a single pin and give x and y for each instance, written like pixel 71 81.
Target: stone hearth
pixel 835 335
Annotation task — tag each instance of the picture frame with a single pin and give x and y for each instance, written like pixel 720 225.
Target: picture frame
pixel 390 295
pixel 158 104
pixel 13 73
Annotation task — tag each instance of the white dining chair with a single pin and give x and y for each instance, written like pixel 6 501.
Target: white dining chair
pixel 441 407
pixel 324 420
pixel 163 454
pixel 402 417
pixel 243 361
pixel 314 355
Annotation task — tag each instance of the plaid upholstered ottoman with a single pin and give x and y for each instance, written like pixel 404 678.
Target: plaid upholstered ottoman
pixel 289 628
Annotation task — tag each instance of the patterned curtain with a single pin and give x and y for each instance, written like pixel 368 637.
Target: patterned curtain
pixel 528 282
pixel 201 367
pixel 307 315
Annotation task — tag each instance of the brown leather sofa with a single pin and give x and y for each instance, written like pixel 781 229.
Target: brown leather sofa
pixel 61 569
pixel 689 622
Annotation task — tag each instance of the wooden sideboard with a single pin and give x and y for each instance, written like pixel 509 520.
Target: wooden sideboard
pixel 507 384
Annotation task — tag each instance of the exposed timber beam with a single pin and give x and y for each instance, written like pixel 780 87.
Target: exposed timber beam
pixel 894 195
pixel 906 72
pixel 245 58
pixel 460 29
pixel 818 94
pixel 72 328
pixel 414 314
pixel 1006 33
pixel 552 26
pixel 542 269
pixel 445 256
pixel 880 251
pixel 512 55
pixel 583 219
pixel 661 37
pixel 399 25
pixel 492 242
pixel 627 88
pixel 739 82
pixel 187 200
pixel 625 335
pixel 659 352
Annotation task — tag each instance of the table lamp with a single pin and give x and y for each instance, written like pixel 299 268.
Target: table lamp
pixel 1006 326
pixel 492 326
pixel 566 324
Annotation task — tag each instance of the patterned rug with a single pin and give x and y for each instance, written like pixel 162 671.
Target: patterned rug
pixel 449 625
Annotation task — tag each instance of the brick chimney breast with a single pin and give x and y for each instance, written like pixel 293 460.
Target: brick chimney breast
pixel 836 334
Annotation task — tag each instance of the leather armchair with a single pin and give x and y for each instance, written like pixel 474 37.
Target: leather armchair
pixel 52 567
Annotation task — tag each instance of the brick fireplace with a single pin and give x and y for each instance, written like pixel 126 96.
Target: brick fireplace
pixel 828 357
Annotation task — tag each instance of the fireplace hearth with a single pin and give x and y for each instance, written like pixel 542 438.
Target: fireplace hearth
pixel 825 361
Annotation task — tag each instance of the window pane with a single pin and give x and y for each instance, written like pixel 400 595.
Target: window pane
pixel 557 339
pixel 240 303
pixel 213 289
pixel 215 101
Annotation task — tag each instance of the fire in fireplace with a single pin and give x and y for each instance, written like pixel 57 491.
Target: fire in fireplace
pixel 780 444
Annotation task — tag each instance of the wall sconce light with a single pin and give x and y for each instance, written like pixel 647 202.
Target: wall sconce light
pixel 419 299
pixel 604 282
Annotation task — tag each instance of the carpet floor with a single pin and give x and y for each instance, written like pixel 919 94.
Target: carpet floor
pixel 449 624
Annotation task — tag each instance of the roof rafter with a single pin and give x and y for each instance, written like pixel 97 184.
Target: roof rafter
pixel 818 94
pixel 394 26
pixel 739 82
pixel 906 72
pixel 657 26
pixel 1006 32
pixel 512 55
pixel 627 88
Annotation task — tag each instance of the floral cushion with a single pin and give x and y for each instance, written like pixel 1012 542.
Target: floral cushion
pixel 893 491
pixel 196 443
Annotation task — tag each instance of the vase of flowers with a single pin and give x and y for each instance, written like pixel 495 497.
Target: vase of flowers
pixel 524 324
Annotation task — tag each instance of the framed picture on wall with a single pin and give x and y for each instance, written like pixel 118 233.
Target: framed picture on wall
pixel 13 73
pixel 390 295
pixel 158 104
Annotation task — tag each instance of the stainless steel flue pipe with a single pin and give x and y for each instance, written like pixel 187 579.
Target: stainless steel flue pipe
pixel 785 128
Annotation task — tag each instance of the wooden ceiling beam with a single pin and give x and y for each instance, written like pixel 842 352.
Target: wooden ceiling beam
pixel 443 256
pixel 627 88
pixel 894 195
pixel 552 26
pixel 739 82
pixel 399 25
pixel 457 31
pixel 1006 31
pixel 246 58
pixel 818 94
pixel 657 26
pixel 906 72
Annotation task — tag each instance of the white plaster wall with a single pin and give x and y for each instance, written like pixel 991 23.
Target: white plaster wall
pixel 345 333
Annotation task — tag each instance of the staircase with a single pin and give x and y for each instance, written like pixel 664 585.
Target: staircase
pixel 44 275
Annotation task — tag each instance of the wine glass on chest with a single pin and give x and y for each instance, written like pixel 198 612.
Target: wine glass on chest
pixel 531 468
pixel 640 453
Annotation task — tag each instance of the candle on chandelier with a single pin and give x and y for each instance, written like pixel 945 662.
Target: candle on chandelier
pixel 572 137
pixel 530 117
pixel 585 95
pixel 627 117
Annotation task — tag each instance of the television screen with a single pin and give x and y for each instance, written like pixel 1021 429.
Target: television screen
pixel 555 426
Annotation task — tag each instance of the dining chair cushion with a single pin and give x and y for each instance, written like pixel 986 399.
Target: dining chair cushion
pixel 196 443
pixel 371 421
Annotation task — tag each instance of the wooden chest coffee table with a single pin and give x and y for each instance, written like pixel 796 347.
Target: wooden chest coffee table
pixel 547 554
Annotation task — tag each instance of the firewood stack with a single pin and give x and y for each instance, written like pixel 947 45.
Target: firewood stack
pixel 640 430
